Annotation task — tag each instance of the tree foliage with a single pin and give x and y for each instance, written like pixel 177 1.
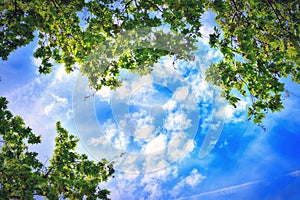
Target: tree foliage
pixel 266 34
pixel 68 175
pixel 259 40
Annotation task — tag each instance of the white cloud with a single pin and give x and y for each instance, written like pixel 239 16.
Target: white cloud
pixel 230 113
pixel 177 121
pixel 49 108
pixel 160 175
pixel 157 144
pixel 123 92
pixel 121 142
pixel 179 146
pixel 150 185
pixel 60 73
pixel 129 163
pixel 170 105
pixel 143 133
pixel 175 172
pixel 70 114
pixel 213 54
pixel 104 94
pixel 181 93
pixel 142 94
pixel 132 83
pixel 95 141
pixel 36 61
pixel 141 118
pixel 62 101
pixel 194 179
pixel 201 89
pixel 112 136
pixel 153 190
pixel 110 130
pixel 58 102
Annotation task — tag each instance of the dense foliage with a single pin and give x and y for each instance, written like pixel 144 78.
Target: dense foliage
pixel 259 40
pixel 266 34
pixel 68 174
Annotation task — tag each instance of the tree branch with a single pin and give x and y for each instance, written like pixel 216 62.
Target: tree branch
pixel 88 96
pixel 279 20
pixel 234 5
pixel 48 172
pixel 126 5
pixel 57 7
pixel 246 84
pixel 236 11
pixel 153 4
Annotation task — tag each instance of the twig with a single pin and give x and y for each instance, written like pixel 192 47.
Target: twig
pixel 276 14
pixel 57 7
pixel 234 5
pixel 126 6
pixel 88 96
pixel 48 172
pixel 155 6
pixel 251 95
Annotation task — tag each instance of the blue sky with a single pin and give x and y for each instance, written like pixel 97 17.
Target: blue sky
pixel 162 122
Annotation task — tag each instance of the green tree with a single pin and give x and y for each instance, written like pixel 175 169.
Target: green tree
pixel 23 176
pixel 259 40
pixel 266 36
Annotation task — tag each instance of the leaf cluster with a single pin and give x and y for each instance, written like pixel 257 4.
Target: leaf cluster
pixel 260 42
pixel 68 175
pixel 72 32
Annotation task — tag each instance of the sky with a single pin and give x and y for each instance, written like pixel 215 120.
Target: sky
pixel 178 138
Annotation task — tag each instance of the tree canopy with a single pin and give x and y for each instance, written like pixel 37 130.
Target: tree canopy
pixel 259 40
pixel 267 36
pixel 68 174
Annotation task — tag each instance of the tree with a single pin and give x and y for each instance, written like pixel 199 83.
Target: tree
pixel 69 174
pixel 266 34
pixel 259 40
